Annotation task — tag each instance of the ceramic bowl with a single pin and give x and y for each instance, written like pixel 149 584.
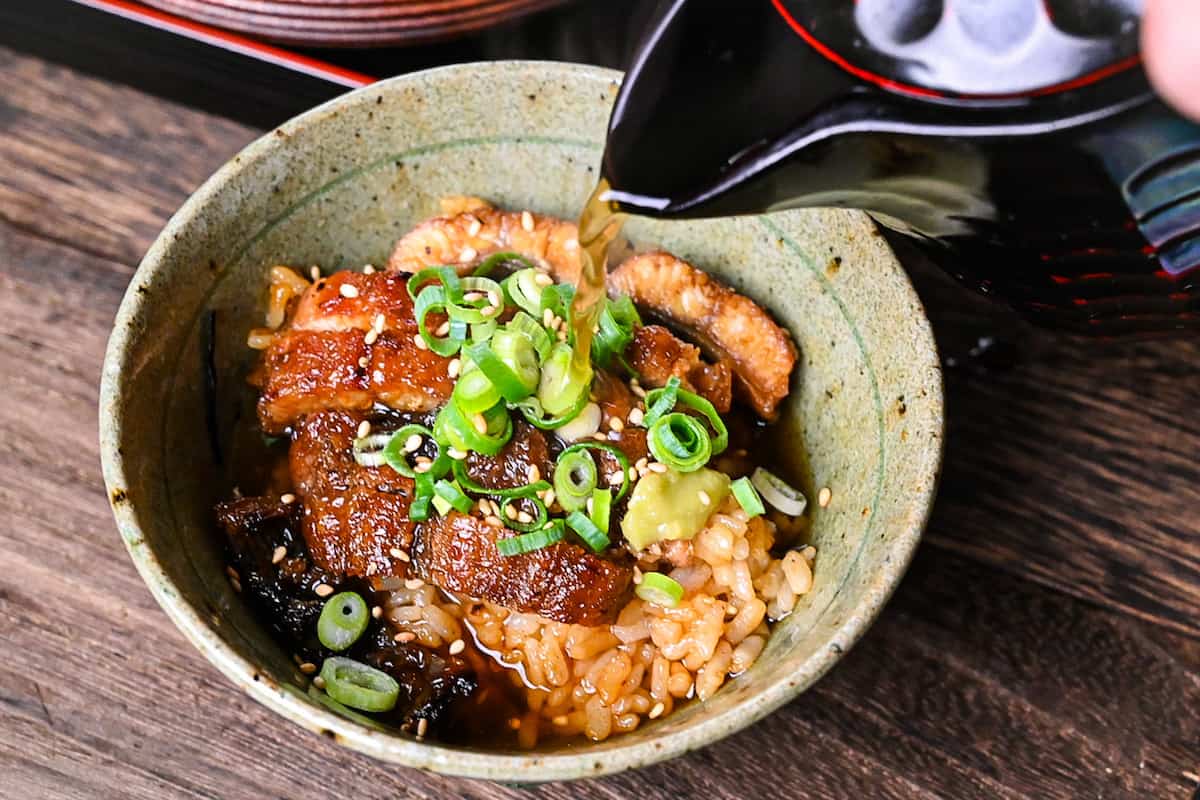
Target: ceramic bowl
pixel 336 187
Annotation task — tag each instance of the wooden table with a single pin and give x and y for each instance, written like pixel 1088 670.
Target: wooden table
pixel 1045 644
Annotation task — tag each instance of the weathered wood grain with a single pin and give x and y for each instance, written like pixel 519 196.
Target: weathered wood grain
pixel 1044 644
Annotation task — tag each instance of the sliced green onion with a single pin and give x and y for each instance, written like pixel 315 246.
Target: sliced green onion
pixel 396 453
pixel 343 619
pixel 482 331
pixel 368 450
pixel 575 477
pixel 418 511
pixel 534 414
pixel 660 590
pixel 720 434
pixel 450 493
pixel 540 517
pixel 495 260
pixel 778 493
pixel 660 401
pixel 470 485
pixel 459 431
pixel 680 441
pixel 592 536
pixel 446 276
pixel 618 319
pixel 433 299
pixel 359 686
pixel 541 341
pixel 601 508
pixel 584 426
pixel 747 497
pixel 474 392
pixel 480 309
pixel 563 382
pixel 534 540
pixel 525 291
pixel 558 298
pixel 514 384
pixel 615 452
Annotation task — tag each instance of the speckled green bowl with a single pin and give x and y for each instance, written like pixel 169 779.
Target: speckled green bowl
pixel 336 187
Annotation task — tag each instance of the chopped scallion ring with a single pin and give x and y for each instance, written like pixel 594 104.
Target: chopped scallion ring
pixel 343 619
pixel 539 518
pixel 530 327
pixel 470 485
pixel 747 497
pixel 446 276
pixel 358 686
pixel 495 260
pixel 592 536
pixel 396 453
pixel 453 427
pixel 433 300
pixel 450 493
pixel 660 401
pixel 423 499
pixel 562 382
pixel 525 290
pixel 601 508
pixel 661 590
pixel 474 392
pixel 778 493
pixel 575 477
pixel 534 540
pixel 620 457
pixel 532 410
pixel 680 441
pixel 509 362
pixel 368 450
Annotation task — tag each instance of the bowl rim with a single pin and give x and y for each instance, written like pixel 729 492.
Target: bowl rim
pixel 287 701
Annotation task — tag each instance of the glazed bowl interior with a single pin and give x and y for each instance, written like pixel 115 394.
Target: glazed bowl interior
pixel 335 188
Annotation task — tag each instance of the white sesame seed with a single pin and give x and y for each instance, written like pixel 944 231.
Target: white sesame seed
pixel 549 524
pixel 348 290
pixel 479 423
pixel 474 228
pixel 494 521
pixel 404 637
pixel 636 416
pixel 323 590
pixel 824 496
pixel 657 467
pixel 495 299
pixel 616 424
pixel 376 612
pixel 468 254
pixel 371 337
pixel 279 554
pixel 236 584
pixel 412 443
pixel 287 499
pixel 314 273
pixel 471 297
pixel 308 668
pixel 600 436
pixel 487 311
pixel 368 269
pixel 443 329
pixel 641 463
pixel 527 221
pixel 364 428
pixel 524 517
pixel 364 362
pixel 637 575
pixel 419 341
pixel 510 512
pixel 638 390
pixel 457 646
pixel 414 583
pixel 549 498
pixel 457 455
pixel 633 474
pixel 395 552
pixel 533 474
pixel 422 726
pixel 615 478
pixel 319 682
pixel 453 368
pixel 548 318
pixel 657 711
pixel 542 279
pixel 423 468
pixel 705 500
pixel 380 321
